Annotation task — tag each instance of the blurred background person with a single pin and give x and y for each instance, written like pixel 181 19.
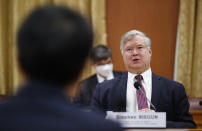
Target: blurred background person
pixel 52 45
pixel 101 57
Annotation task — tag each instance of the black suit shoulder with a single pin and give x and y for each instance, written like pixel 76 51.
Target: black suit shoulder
pixel 168 81
pixel 29 117
pixel 173 87
pixel 112 83
pixel 49 110
pixel 117 73
pixel 89 80
pixel 93 79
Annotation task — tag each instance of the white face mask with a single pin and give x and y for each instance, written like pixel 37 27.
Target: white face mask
pixel 104 70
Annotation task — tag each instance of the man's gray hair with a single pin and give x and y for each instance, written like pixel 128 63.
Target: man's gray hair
pixel 131 34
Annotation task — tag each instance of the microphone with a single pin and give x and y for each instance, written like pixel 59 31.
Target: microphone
pixel 200 103
pixel 137 86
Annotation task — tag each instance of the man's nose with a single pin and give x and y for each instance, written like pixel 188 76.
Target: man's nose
pixel 134 52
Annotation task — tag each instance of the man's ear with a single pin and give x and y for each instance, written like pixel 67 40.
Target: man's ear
pixel 150 52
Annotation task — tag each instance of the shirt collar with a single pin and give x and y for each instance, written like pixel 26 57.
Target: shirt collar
pixel 146 75
pixel 101 79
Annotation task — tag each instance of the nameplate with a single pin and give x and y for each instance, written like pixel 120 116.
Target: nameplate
pixel 138 119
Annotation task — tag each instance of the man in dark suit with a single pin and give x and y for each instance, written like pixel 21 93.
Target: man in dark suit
pixel 101 58
pixel 119 94
pixel 52 44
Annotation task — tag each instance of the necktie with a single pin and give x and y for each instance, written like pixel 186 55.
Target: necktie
pixel 141 99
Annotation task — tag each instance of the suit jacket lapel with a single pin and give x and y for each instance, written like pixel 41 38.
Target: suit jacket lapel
pixel 156 88
pixel 93 83
pixel 118 95
pixel 123 85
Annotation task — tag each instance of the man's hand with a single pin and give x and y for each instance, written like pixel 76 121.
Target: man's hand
pixel 146 110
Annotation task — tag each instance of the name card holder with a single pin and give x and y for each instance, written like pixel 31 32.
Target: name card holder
pixel 138 119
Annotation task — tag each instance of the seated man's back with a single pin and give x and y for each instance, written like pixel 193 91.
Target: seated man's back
pixel 49 110
pixel 53 44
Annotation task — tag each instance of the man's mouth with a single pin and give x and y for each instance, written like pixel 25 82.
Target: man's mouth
pixel 135 60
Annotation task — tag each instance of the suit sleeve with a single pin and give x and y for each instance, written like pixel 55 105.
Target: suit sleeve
pixel 181 106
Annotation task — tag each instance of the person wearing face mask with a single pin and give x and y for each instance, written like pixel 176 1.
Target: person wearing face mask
pixel 101 58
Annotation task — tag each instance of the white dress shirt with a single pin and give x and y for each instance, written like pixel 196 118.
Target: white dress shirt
pixel 131 99
pixel 101 79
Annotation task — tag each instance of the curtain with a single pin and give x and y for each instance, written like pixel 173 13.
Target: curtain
pixel 12 13
pixel 189 44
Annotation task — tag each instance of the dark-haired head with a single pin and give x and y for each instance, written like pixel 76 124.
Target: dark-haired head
pixel 100 52
pixel 53 44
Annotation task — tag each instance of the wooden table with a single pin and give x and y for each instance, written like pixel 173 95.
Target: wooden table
pixel 197 116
